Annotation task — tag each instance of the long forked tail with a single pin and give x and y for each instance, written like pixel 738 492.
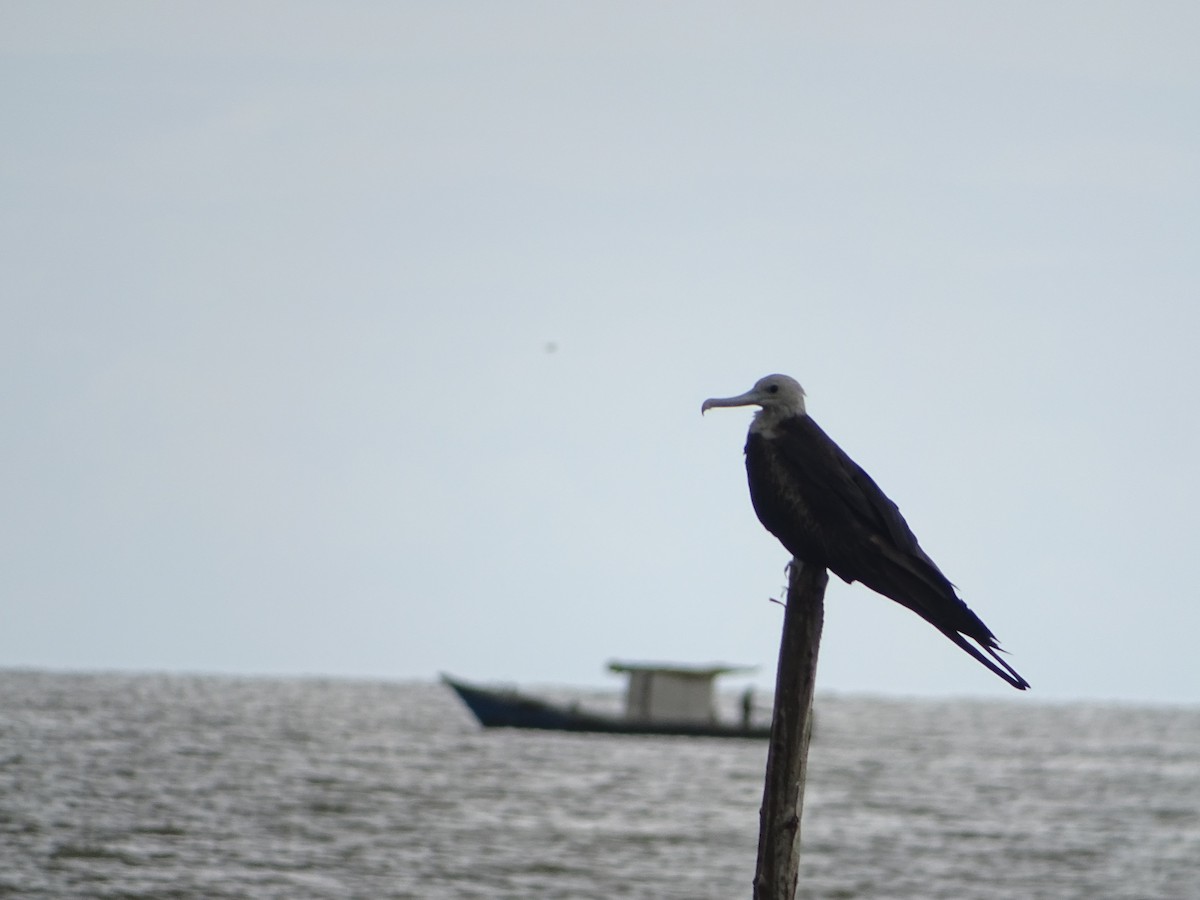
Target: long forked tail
pixel 917 583
pixel 996 663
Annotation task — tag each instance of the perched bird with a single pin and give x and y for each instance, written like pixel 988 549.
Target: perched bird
pixel 828 512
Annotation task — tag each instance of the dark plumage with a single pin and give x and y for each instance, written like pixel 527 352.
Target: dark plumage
pixel 828 512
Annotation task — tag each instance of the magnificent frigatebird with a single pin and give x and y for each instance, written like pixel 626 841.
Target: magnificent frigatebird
pixel 828 512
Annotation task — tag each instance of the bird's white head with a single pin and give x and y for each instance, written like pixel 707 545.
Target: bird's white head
pixel 779 396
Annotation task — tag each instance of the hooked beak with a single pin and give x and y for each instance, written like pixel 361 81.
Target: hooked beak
pixel 750 398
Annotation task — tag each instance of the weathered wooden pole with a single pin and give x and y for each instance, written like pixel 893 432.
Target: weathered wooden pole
pixel 791 725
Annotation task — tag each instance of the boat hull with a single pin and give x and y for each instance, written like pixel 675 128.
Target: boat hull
pixel 509 709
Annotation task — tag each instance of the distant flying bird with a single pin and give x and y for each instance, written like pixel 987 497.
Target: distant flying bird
pixel 828 512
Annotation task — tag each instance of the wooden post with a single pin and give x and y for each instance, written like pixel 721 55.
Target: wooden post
pixel 787 756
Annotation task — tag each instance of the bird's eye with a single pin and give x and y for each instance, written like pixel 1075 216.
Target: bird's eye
pixel 772 389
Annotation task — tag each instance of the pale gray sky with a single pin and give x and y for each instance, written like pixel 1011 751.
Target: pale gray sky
pixel 281 281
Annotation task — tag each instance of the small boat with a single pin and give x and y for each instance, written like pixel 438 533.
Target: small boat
pixel 659 699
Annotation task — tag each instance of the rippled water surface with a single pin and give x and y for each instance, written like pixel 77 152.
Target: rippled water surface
pixel 202 787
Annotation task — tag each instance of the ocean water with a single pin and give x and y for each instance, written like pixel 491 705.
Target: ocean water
pixel 157 786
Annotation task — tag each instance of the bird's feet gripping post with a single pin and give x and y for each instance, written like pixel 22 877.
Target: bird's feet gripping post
pixel 793 569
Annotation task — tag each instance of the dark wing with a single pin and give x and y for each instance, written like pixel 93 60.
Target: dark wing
pixel 839 492
pixel 818 502
pixel 873 542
